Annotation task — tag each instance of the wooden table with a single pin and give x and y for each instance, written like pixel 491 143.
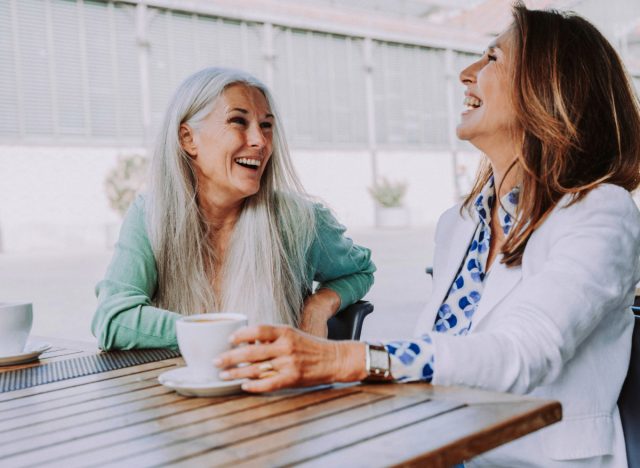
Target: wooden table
pixel 125 418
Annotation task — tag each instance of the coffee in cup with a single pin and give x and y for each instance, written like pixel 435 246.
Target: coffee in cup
pixel 16 319
pixel 204 337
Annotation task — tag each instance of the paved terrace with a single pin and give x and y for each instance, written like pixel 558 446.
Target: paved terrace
pixel 61 284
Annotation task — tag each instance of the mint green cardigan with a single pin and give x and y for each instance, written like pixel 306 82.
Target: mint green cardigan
pixel 125 317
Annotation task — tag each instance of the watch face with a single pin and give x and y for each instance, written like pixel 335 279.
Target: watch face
pixel 378 362
pixel 379 359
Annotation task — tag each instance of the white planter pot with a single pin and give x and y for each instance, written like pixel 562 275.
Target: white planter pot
pixel 396 217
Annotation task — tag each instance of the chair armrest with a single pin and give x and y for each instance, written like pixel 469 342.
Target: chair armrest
pixel 347 324
pixel 628 400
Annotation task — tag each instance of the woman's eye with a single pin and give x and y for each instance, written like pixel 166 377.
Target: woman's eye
pixel 238 120
pixel 266 125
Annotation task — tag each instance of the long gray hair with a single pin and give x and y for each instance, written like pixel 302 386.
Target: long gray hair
pixel 264 271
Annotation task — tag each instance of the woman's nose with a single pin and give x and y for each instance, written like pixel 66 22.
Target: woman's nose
pixel 468 75
pixel 256 138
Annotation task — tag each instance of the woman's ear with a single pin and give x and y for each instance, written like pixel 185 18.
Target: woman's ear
pixel 186 140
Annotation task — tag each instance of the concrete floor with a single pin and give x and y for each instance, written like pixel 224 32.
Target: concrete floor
pixel 61 284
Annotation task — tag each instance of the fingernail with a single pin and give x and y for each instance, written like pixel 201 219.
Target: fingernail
pixel 232 338
pixel 217 362
pixel 246 386
pixel 224 375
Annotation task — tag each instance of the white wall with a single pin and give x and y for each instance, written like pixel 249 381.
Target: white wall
pixel 341 180
pixel 53 198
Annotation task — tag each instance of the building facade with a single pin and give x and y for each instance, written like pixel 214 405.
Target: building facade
pixel 364 94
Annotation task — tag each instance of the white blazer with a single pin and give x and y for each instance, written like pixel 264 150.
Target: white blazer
pixel 558 327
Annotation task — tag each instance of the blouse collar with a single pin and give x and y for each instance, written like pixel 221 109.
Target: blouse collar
pixel 506 208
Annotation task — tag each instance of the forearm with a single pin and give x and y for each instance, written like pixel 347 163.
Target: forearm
pixel 124 323
pixel 318 308
pixel 324 303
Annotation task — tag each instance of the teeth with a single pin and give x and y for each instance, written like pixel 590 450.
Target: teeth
pixel 471 102
pixel 249 162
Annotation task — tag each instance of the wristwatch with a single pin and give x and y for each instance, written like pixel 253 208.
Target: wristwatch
pixel 378 363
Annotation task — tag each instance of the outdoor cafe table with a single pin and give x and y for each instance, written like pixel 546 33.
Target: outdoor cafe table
pixel 124 417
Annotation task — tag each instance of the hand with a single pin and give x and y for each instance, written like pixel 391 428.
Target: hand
pixel 286 357
pixel 318 308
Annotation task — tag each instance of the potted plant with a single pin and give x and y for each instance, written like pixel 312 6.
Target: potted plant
pixel 390 210
pixel 121 186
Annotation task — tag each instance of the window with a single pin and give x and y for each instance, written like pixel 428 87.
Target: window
pixel 410 95
pixel 319 83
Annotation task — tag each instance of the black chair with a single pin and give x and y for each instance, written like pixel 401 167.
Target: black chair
pixel 347 324
pixel 629 401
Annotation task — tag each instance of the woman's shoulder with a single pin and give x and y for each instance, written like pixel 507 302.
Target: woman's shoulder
pixel 138 205
pixel 606 209
pixel 605 197
pixel 134 220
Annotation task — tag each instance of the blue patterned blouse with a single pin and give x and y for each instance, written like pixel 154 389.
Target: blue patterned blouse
pixel 414 359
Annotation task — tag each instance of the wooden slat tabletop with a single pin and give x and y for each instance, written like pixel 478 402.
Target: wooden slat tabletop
pixel 125 417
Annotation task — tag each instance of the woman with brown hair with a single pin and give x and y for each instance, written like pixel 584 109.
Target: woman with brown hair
pixel 535 273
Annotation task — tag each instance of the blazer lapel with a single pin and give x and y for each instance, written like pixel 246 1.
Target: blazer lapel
pixel 460 234
pixel 498 285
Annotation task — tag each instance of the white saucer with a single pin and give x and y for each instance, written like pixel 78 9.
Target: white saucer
pixel 181 381
pixel 31 352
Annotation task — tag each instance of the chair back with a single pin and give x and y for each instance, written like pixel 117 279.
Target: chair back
pixel 629 401
pixel 347 324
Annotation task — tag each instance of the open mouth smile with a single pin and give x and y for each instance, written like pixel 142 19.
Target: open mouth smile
pixel 471 102
pixel 249 163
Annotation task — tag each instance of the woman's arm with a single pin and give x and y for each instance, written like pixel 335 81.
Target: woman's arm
pixel 343 269
pixel 318 308
pixel 124 318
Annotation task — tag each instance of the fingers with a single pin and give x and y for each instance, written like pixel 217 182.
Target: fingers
pixel 249 353
pixel 260 370
pixel 263 333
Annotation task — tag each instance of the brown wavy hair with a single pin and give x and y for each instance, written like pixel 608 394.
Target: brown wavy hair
pixel 578 119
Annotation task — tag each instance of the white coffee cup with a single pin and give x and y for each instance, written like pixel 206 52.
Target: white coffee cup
pixel 204 337
pixel 16 319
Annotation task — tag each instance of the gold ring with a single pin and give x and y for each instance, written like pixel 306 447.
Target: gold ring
pixel 265 366
pixel 266 370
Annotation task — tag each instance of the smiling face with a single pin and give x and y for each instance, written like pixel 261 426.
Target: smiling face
pixel 489 116
pixel 231 147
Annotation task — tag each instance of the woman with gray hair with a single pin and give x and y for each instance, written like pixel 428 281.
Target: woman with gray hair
pixel 225 226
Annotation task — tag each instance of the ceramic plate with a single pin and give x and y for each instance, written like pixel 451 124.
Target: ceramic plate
pixel 31 352
pixel 181 381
